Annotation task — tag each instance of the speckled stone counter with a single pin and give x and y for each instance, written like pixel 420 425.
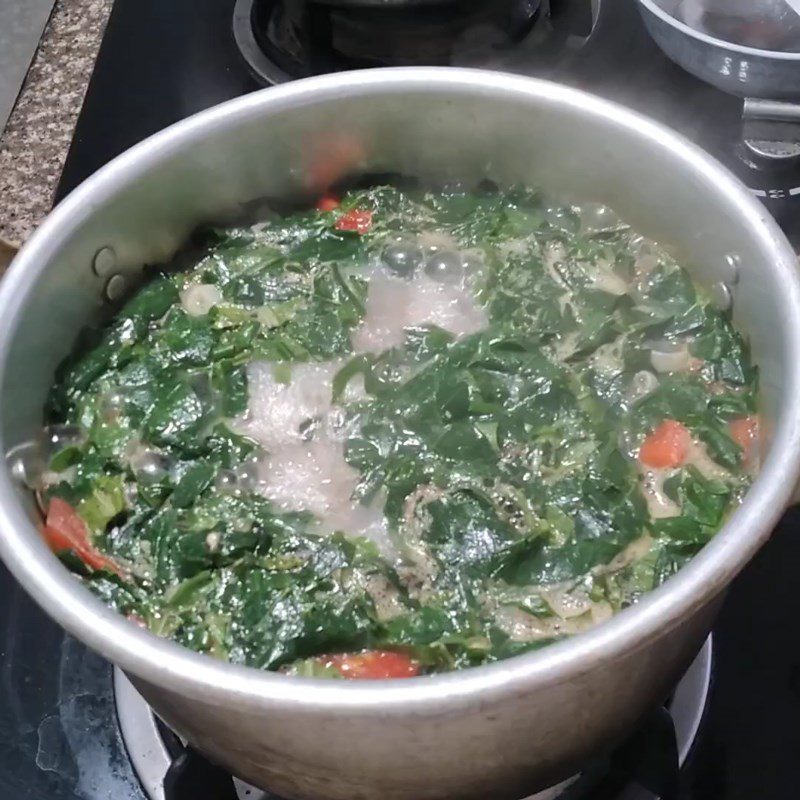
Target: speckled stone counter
pixel 37 136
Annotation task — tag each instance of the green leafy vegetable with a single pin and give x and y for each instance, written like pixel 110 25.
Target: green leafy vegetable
pixel 498 466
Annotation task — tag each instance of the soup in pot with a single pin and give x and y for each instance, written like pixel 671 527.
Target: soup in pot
pixel 402 432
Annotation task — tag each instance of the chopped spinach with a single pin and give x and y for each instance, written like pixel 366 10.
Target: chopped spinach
pixel 503 460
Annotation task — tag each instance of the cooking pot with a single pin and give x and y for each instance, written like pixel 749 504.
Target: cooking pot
pixel 497 731
pixel 735 68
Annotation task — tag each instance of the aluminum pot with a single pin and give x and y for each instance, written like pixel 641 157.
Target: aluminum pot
pixel 497 731
pixel 734 68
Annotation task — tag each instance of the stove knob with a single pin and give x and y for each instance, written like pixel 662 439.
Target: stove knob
pixel 773 155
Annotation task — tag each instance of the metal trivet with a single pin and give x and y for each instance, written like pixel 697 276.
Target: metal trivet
pixel 170 771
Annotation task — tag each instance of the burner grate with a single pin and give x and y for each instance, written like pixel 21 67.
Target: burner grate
pixel 168 770
pixel 281 40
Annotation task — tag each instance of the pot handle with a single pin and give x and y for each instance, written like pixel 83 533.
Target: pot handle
pixel 775 110
pixel 771 120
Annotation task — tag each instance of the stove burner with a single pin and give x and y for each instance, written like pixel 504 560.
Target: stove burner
pixel 170 771
pixel 285 39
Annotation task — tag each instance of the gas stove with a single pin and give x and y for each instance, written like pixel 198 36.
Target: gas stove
pixel 285 39
pixel 645 767
pixel 71 728
pixel 162 62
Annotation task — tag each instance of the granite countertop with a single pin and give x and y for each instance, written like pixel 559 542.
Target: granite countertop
pixel 38 134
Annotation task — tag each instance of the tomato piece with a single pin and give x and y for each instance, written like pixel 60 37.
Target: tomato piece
pixel 373 665
pixel 744 431
pixel 356 220
pixel 96 560
pixel 62 517
pixel 327 203
pixel 65 530
pixel 56 539
pixel 666 446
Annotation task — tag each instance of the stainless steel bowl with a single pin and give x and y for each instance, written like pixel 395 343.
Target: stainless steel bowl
pixel 734 68
pixel 496 731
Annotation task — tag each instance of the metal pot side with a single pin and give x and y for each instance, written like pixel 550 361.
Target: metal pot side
pixel 502 730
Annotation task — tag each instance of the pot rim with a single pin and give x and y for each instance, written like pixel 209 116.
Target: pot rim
pixel 656 10
pixel 162 662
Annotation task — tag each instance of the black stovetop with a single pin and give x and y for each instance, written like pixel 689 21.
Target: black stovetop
pixel 162 60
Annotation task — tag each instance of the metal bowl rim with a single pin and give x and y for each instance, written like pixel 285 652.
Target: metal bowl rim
pixel 656 10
